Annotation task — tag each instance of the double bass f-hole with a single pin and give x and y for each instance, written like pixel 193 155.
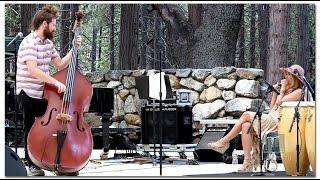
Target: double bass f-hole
pixel 49 119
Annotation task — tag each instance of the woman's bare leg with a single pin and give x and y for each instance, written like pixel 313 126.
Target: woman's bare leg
pixel 223 144
pixel 246 139
pixel 245 117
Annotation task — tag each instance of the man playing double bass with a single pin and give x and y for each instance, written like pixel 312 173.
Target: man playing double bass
pixel 35 53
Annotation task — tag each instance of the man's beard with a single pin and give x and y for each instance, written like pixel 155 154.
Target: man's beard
pixel 47 34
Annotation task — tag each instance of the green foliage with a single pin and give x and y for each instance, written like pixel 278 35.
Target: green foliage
pixel 98 15
pixel 12 19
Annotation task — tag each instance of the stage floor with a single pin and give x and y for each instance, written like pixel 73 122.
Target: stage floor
pixel 129 167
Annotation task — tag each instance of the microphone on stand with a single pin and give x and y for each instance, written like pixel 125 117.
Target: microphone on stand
pixel 18 36
pixel 271 88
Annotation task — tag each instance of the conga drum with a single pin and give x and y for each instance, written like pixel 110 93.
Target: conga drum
pixel 288 140
pixel 310 135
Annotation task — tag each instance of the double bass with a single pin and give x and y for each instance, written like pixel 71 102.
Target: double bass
pixel 60 140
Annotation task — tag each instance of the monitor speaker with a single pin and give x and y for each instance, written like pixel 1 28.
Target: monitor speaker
pixel 176 125
pixel 205 153
pixel 14 165
pixel 151 122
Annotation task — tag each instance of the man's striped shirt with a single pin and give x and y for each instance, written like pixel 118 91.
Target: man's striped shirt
pixel 42 51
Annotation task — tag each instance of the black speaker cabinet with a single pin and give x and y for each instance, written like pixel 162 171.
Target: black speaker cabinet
pixel 14 166
pixel 185 124
pixel 102 100
pixel 176 125
pixel 204 153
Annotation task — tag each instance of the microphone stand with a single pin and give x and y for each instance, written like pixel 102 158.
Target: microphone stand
pixel 309 87
pixel 258 113
pixel 154 160
pixel 160 118
pixel 296 118
pixel 15 97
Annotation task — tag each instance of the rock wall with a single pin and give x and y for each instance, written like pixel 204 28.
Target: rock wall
pixel 217 92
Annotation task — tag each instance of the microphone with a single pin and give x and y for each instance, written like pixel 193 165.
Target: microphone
pixel 19 35
pixel 271 87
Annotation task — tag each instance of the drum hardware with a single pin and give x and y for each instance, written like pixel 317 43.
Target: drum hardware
pixel 258 113
pixel 296 118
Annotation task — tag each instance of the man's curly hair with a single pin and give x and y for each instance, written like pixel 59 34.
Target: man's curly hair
pixel 47 13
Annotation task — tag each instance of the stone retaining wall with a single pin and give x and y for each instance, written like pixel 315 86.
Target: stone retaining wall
pixel 217 92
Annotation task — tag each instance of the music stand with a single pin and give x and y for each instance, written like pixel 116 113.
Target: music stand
pixel 142 85
pixel 102 103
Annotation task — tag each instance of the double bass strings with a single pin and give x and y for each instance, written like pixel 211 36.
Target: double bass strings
pixel 71 73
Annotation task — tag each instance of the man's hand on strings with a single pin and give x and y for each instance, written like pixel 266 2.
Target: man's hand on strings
pixel 79 41
pixel 61 87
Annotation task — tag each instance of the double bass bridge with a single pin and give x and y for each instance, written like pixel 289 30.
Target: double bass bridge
pixel 64 117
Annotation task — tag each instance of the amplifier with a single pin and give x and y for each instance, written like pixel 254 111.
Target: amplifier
pixel 176 125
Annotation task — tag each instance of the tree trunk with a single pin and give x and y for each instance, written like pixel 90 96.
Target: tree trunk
pixel 94 49
pixel 129 36
pixel 64 35
pixel 156 44
pixel 112 37
pixel 216 38
pixel 303 38
pixel 179 34
pixel 292 33
pixel 263 11
pixel 289 52
pixel 240 44
pixel 213 43
pixel 195 15
pixel 278 42
pixel 100 43
pixel 144 36
pixel 27 13
pixel 252 37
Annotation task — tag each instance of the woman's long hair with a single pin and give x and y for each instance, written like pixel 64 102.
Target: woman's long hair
pixel 295 85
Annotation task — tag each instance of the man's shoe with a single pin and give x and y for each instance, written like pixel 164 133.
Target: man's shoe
pixel 35 171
